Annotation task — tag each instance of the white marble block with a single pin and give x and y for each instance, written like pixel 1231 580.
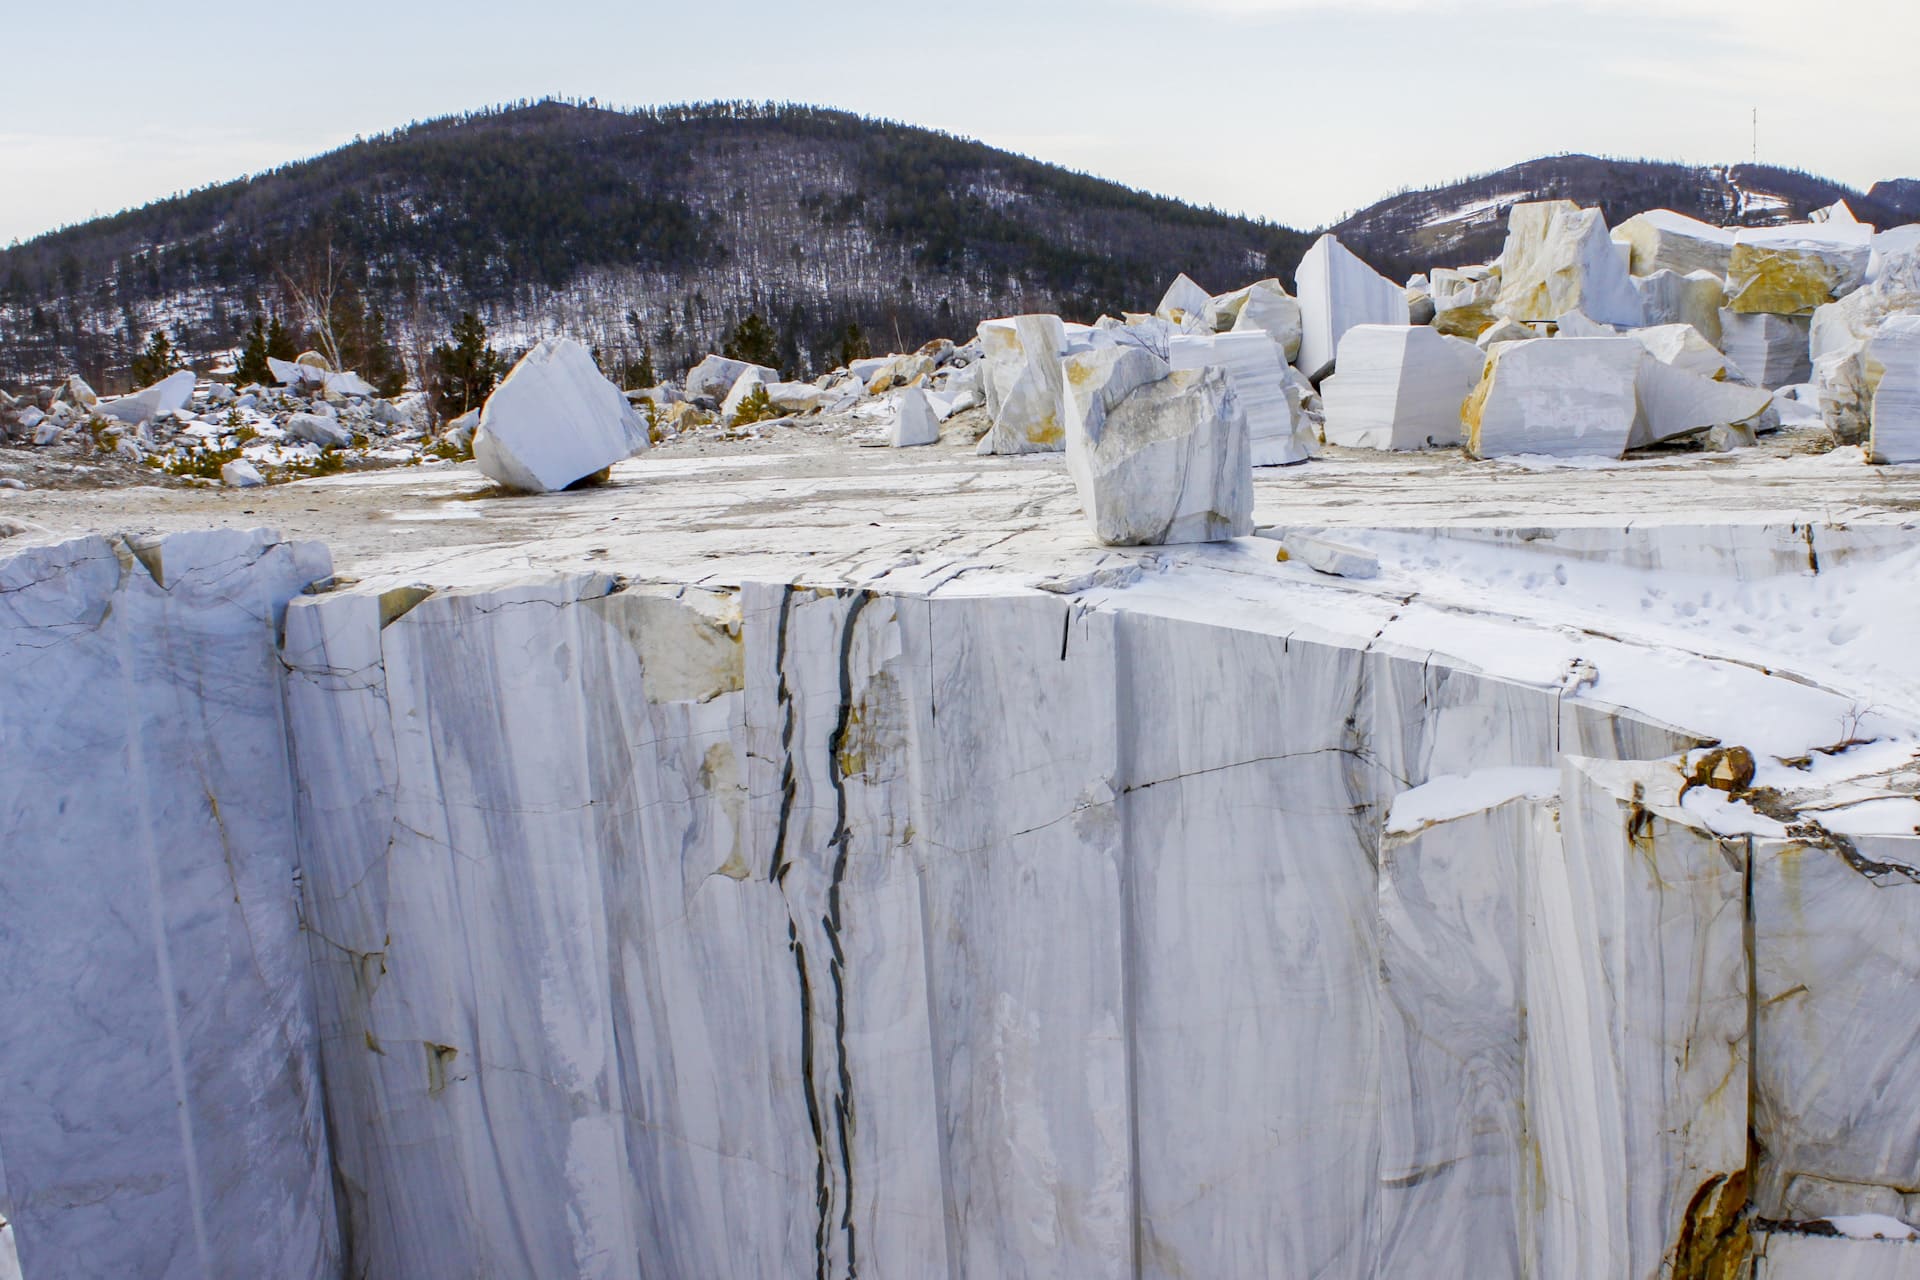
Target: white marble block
pixel 1463 300
pixel 1169 463
pixel 1667 297
pixel 1265 307
pixel 172 392
pixel 1186 305
pixel 714 376
pixel 1338 291
pixel 1023 384
pixel 1895 350
pixel 1662 240
pixel 1790 270
pixel 554 420
pixel 160 1109
pixel 1557 259
pixel 914 422
pixel 1789 1255
pixel 1770 349
pixel 1564 397
pixel 1277 432
pixel 1686 385
pixel 1399 388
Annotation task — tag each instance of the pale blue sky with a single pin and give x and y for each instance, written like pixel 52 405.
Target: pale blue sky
pixel 1296 110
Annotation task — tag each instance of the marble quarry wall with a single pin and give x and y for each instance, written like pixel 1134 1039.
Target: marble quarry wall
pixel 573 928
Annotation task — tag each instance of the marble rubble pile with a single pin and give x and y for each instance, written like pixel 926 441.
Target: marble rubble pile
pixel 566 926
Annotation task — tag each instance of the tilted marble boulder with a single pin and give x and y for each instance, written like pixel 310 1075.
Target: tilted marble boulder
pixel 798 397
pixel 317 428
pixel 1167 462
pixel 1337 292
pixel 714 376
pixel 1686 385
pixel 1463 299
pixel 1275 427
pixel 175 391
pixel 1895 350
pixel 914 422
pixel 1023 384
pixel 1662 240
pixel 753 378
pixel 1186 304
pixel 1790 270
pixel 1770 349
pixel 1399 388
pixel 1268 308
pixel 1557 259
pixel 1506 331
pixel 555 420
pixel 1667 297
pixel 1563 397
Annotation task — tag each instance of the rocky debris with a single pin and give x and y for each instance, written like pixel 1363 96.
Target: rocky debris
pixel 554 421
pixel 1561 397
pixel 169 395
pixel 1337 292
pixel 1159 460
pixel 1662 240
pixel 913 420
pixel 1023 384
pixel 1771 349
pixel 1276 428
pixel 1791 270
pixel 1667 297
pixel 1558 258
pixel 1399 388
pixel 1463 299
pixel 1895 353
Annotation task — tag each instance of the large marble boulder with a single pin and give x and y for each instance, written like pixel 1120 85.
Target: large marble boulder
pixel 914 422
pixel 1662 240
pixel 1463 299
pixel 1770 349
pixel 753 378
pixel 1276 429
pixel 1895 351
pixel 1337 292
pixel 555 420
pixel 1263 307
pixel 1186 305
pixel 1667 297
pixel 1558 258
pixel 1167 461
pixel 173 392
pixel 1687 385
pixel 1840 333
pixel 1791 270
pixel 1023 384
pixel 1399 388
pixel 1562 397
pixel 714 376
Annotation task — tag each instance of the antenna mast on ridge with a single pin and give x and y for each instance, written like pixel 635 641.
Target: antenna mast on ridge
pixel 1756 135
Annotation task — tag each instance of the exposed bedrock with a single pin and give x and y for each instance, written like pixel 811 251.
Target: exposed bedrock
pixel 1165 926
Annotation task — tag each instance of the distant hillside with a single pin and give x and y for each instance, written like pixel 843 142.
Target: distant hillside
pixel 1902 194
pixel 639 231
pixel 1465 222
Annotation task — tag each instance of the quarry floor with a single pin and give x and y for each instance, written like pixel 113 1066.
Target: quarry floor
pixel 800 502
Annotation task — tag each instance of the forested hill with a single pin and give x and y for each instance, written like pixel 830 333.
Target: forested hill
pixel 638 231
pixel 1466 221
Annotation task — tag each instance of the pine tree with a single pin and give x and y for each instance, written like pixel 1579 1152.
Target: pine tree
pixel 282 344
pixel 853 346
pixel 252 366
pixel 753 340
pixel 464 371
pixel 157 361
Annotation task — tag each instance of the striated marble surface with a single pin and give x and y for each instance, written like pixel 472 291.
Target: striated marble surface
pixel 160 1110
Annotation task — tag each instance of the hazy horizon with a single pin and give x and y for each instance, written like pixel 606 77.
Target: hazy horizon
pixel 1293 110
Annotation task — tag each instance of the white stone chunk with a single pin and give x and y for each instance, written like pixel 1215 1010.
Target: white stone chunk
pixel 1790 1255
pixel 1557 259
pixel 241 474
pixel 1676 399
pixel 1399 388
pixel 175 391
pixel 751 379
pixel 315 428
pixel 1662 240
pixel 1336 559
pixel 714 376
pixel 1463 300
pixel 1337 292
pixel 798 397
pixel 1667 297
pixel 1770 349
pixel 1563 397
pixel 1275 427
pixel 1185 304
pixel 1270 309
pixel 1170 463
pixel 1895 350
pixel 914 422
pixel 1790 270
pixel 555 420
pixel 1022 355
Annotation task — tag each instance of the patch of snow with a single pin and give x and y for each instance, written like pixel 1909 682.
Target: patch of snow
pixel 1454 795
